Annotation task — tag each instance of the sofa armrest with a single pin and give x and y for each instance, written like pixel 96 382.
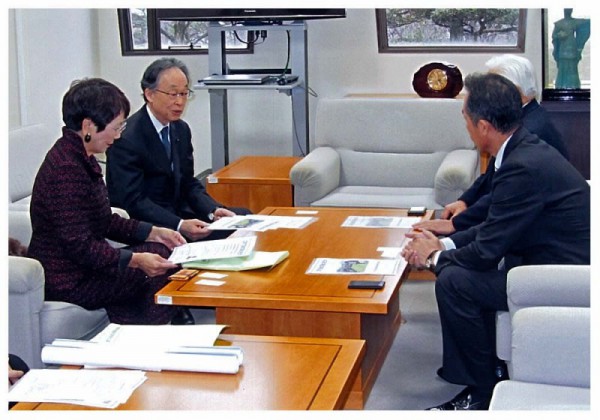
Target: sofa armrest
pixel 540 285
pixel 19 226
pixel 315 175
pixel 455 175
pixel 548 285
pixel 25 302
pixel 551 345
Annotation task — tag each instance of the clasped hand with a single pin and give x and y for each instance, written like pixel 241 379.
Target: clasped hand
pixel 422 244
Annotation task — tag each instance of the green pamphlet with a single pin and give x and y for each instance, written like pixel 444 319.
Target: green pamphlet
pixel 258 259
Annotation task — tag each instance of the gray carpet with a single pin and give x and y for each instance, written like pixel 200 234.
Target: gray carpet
pixel 407 380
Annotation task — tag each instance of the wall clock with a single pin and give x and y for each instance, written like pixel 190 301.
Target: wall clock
pixel 438 80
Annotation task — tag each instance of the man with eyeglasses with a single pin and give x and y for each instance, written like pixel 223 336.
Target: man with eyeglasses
pixel 150 170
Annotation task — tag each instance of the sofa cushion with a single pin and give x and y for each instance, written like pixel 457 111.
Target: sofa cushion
pixel 383 197
pixel 27 147
pixel 399 125
pixel 517 395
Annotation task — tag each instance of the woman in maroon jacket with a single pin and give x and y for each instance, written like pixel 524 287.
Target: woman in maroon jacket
pixel 71 218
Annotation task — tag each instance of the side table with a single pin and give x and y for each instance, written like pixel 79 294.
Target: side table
pixel 254 182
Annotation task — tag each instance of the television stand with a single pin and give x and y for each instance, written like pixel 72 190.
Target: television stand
pixel 297 90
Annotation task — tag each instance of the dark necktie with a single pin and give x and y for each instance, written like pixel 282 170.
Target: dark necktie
pixel 164 136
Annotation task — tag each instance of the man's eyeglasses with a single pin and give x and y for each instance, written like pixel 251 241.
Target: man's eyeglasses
pixel 121 127
pixel 173 95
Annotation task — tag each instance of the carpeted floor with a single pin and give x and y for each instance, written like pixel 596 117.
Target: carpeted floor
pixel 407 380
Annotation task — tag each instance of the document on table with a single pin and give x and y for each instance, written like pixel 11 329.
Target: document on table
pixel 354 266
pixel 207 250
pixel 258 259
pixel 260 223
pixel 149 347
pixel 380 222
pixel 96 388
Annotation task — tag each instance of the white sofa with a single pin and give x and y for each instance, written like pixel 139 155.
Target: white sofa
pixel 380 152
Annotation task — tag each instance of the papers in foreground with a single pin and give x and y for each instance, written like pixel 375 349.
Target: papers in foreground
pixel 96 388
pixel 149 347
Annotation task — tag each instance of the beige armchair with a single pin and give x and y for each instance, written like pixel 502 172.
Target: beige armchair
pixel 545 339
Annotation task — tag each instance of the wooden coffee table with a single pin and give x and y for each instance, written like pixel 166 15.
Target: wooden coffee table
pixel 284 301
pixel 278 373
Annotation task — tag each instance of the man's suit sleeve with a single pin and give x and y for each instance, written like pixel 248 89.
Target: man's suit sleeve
pixel 192 189
pixel 480 187
pixel 474 214
pixel 516 203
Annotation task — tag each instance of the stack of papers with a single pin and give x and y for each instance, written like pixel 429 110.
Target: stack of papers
pixel 96 388
pixel 259 223
pixel 149 347
pixel 209 250
pixel 231 254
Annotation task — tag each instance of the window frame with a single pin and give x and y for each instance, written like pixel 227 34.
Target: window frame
pixel 154 47
pixel 384 47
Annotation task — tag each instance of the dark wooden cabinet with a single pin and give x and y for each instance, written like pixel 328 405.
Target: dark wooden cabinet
pixel 572 119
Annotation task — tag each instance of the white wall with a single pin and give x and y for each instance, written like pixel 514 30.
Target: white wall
pixel 52 48
pixel 59 45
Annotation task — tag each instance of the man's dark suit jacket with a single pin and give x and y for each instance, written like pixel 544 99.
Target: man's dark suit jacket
pixel 539 212
pixel 536 121
pixel 140 179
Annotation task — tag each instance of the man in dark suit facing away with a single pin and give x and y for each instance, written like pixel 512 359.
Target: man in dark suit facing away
pixel 539 214
pixel 150 170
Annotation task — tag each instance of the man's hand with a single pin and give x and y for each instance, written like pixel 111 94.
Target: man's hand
pixel 167 237
pixel 453 209
pixel 437 226
pixel 194 229
pixel 151 264
pixel 423 243
pixel 221 212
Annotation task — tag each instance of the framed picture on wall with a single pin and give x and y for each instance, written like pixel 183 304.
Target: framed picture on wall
pixel 566 54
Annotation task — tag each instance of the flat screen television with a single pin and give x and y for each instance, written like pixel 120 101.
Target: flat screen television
pixel 249 14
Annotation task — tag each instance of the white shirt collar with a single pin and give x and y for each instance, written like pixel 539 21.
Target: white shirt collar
pixel 500 154
pixel 158 126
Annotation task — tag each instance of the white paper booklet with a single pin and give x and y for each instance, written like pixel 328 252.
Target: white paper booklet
pixel 380 222
pixel 96 388
pixel 354 266
pixel 260 223
pixel 208 250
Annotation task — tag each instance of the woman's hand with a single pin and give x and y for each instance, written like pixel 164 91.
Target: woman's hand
pixel 167 237
pixel 151 264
